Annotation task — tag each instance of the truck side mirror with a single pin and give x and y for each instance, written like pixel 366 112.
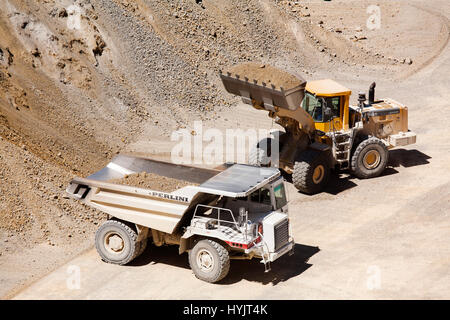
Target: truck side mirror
pixel 242 216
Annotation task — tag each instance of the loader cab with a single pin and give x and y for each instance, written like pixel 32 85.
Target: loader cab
pixel 326 101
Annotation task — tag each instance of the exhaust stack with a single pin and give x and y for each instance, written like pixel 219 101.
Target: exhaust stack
pixel 372 93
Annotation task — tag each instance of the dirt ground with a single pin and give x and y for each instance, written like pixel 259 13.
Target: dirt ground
pixel 74 92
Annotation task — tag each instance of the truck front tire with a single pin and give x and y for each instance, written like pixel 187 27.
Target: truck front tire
pixel 116 242
pixel 369 159
pixel 209 261
pixel 311 172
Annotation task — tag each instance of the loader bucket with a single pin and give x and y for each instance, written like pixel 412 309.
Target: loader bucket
pixel 265 94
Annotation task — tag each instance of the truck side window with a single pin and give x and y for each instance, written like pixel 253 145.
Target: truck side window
pixel 255 196
pixel 280 196
pixel 265 196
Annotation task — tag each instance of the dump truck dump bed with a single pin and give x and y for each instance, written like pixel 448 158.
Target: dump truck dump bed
pixel 164 210
pixel 123 165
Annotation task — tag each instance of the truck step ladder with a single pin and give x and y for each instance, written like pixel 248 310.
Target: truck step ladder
pixel 266 262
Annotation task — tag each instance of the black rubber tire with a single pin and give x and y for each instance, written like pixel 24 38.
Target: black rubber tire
pixel 126 232
pixel 142 247
pixel 302 175
pixel 260 154
pixel 357 167
pixel 221 261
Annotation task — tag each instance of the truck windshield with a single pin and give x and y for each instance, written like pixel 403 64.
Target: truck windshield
pixel 280 196
pixel 261 196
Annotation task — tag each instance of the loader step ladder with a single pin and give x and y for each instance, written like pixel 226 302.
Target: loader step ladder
pixel 343 143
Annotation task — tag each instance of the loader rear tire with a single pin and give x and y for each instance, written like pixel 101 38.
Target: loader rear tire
pixel 209 261
pixel 311 172
pixel 369 159
pixel 116 242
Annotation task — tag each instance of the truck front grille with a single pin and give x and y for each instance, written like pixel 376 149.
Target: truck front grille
pixel 281 234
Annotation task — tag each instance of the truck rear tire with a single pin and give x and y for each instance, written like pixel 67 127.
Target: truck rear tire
pixel 311 172
pixel 369 159
pixel 142 247
pixel 209 261
pixel 260 155
pixel 116 242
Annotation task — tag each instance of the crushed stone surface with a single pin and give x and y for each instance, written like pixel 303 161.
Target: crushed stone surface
pixel 152 181
pixel 267 74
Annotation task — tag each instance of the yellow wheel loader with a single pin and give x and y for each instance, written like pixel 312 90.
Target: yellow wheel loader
pixel 323 132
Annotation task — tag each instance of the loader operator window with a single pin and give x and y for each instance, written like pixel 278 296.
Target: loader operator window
pixel 313 105
pixel 335 105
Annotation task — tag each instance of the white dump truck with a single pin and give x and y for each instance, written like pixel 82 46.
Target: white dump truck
pixel 237 212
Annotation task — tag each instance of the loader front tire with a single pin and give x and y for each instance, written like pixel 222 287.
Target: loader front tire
pixel 369 159
pixel 209 261
pixel 116 242
pixel 311 172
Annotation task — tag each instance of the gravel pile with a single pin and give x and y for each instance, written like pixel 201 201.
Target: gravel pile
pixel 152 181
pixel 267 74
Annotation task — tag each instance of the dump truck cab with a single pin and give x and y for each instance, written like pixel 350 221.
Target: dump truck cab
pixel 254 224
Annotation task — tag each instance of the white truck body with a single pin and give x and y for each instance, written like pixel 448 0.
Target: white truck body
pixel 242 206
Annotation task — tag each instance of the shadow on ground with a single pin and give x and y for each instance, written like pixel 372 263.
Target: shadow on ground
pixel 337 183
pixel 342 181
pixel 407 158
pixel 283 269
